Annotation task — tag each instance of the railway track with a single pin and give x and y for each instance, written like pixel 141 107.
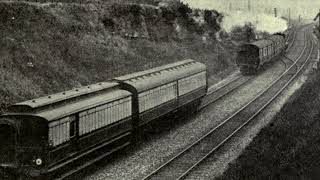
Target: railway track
pixel 291 39
pixel 214 95
pixel 179 166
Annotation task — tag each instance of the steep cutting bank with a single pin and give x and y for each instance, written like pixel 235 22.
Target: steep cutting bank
pixel 49 47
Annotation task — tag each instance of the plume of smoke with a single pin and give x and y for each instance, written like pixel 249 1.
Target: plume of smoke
pixel 307 9
pixel 261 22
pixel 261 14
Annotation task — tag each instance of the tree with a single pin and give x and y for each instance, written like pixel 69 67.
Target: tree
pixel 243 33
pixel 249 32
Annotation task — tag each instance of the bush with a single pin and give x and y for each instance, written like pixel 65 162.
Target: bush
pixel 48 49
pixel 184 10
pixel 244 33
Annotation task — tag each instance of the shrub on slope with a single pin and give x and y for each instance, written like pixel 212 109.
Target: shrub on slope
pixel 51 47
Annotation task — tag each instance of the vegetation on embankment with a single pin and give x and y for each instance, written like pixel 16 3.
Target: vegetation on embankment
pixel 289 148
pixel 51 47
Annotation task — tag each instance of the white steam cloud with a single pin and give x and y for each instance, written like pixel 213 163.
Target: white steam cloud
pixel 261 13
pixel 262 22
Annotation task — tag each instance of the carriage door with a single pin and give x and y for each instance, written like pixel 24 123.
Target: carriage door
pixel 7 144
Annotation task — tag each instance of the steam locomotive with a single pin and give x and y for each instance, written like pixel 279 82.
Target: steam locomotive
pixel 65 132
pixel 253 56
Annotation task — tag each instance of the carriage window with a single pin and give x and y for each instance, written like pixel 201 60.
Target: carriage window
pixel 72 127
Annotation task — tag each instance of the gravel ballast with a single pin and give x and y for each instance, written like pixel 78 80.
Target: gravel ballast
pixel 150 154
pixel 217 164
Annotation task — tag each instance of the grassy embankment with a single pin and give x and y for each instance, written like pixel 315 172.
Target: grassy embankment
pixel 289 148
pixel 51 47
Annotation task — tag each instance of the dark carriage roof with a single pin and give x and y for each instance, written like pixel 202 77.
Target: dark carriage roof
pixel 154 70
pixel 261 43
pixel 84 104
pixel 66 103
pixel 265 42
pixel 276 38
pixel 67 109
pixel 62 96
pixel 256 44
pixel 155 77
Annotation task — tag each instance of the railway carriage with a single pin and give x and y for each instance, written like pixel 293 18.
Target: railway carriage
pixel 279 43
pixel 68 131
pixel 254 55
pixel 165 89
pixel 51 132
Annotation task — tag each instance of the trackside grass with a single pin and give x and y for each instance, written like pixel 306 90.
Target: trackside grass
pixel 289 148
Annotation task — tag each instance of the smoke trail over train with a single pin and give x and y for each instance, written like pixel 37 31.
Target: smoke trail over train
pixel 262 22
pixel 259 13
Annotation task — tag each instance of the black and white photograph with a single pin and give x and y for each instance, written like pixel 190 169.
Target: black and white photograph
pixel 159 89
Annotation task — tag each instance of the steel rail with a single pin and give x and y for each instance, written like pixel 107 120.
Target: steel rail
pixel 221 124
pixel 203 106
pixel 210 91
pixel 293 40
pixel 222 92
pixel 228 91
pixel 252 117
